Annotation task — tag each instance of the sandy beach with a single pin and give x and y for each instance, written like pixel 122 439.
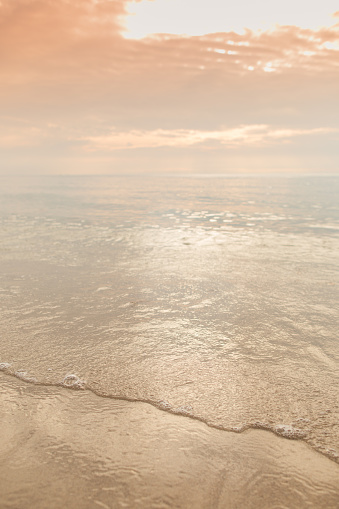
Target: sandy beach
pixel 65 448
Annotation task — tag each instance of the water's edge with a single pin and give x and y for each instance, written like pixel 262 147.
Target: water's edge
pixel 74 383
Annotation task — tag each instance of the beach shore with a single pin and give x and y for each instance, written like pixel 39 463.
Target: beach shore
pixel 65 448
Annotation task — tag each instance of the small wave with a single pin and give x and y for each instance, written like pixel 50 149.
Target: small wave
pixel 73 381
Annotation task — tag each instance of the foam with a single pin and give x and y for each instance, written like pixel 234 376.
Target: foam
pixel 185 410
pixel 72 381
pixel 5 366
pixel 288 431
pixel 23 375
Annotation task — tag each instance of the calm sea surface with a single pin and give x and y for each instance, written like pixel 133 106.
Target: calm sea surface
pixel 211 297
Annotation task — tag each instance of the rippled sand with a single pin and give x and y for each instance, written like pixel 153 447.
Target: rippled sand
pixel 62 448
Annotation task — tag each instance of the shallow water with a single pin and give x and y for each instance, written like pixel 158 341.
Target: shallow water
pixel 214 298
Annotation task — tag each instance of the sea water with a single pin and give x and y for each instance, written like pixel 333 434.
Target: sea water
pixel 211 297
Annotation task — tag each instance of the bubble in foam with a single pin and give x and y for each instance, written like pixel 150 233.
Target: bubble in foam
pixel 184 410
pixel 4 366
pixel 23 375
pixel 73 382
pixel 288 431
pixel 238 429
pixel 164 405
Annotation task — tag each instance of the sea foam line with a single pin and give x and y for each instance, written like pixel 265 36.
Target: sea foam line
pixel 72 381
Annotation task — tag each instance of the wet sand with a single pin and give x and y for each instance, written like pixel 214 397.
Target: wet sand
pixel 65 448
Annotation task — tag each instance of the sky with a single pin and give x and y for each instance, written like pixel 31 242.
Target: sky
pixel 192 86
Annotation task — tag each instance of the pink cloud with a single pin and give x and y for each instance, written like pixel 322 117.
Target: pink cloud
pixel 82 39
pixel 244 135
pixel 65 63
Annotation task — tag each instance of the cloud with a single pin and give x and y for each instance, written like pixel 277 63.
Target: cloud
pixel 257 135
pixel 37 32
pixel 17 133
pixel 80 41
pixel 66 63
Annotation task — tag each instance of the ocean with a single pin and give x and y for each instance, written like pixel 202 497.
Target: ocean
pixel 193 317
